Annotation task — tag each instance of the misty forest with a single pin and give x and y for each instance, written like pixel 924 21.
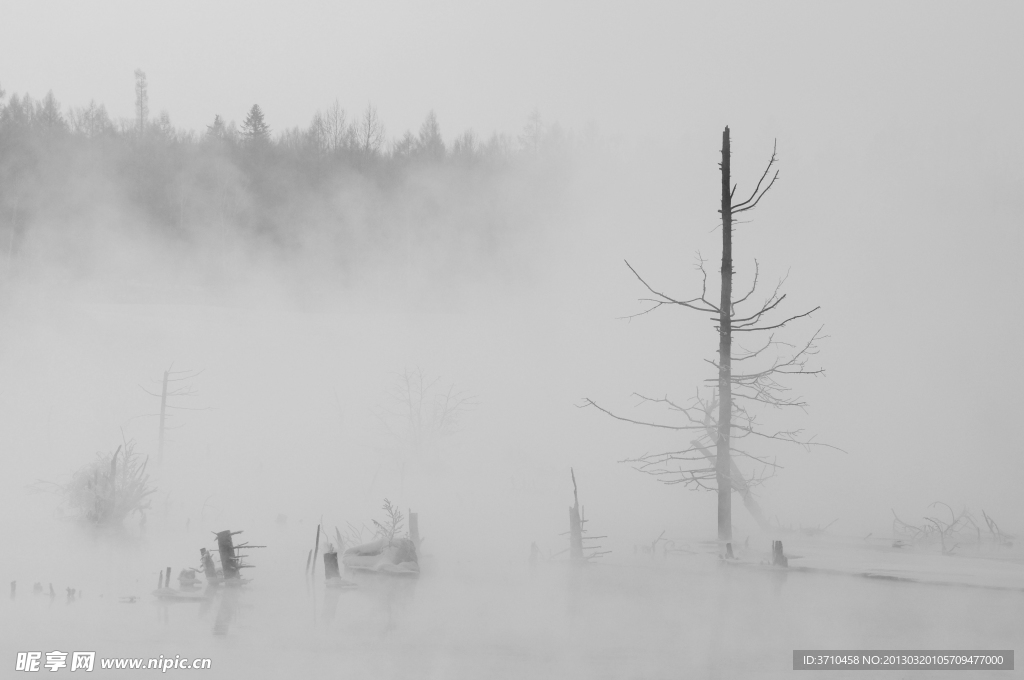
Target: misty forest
pixel 326 396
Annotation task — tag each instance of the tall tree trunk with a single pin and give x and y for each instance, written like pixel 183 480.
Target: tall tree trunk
pixel 723 458
pixel 163 414
pixel 575 525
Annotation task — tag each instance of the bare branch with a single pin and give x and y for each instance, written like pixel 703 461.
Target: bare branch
pixel 781 324
pixel 589 402
pixel 768 306
pixel 758 200
pixel 665 299
pixel 771 162
pixel 753 287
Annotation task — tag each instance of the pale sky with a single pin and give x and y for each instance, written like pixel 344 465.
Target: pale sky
pixel 632 69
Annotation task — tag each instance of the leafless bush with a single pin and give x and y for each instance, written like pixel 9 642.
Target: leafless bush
pixel 950 531
pixel 110 488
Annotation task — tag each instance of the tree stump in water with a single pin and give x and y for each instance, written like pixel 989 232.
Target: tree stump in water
pixel 228 560
pixel 208 567
pixel 331 565
pixel 414 528
pixel 778 557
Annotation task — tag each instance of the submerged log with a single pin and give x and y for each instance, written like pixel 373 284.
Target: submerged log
pixel 395 556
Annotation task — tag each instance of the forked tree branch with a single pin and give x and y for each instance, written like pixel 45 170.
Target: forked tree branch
pixel 663 299
pixel 752 202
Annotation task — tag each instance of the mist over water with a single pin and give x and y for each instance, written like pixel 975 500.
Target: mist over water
pixel 314 280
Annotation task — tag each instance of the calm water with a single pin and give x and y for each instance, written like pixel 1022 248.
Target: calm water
pixel 686 617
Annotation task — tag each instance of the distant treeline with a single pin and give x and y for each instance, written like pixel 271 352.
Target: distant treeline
pixel 342 176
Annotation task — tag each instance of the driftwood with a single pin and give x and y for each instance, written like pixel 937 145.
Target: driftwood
pixel 392 556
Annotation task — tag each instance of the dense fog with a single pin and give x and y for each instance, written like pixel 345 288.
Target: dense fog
pixel 425 301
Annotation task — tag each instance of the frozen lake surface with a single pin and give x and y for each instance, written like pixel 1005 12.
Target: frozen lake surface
pixel 688 615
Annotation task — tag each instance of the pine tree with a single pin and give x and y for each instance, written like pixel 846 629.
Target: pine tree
pixel 217 131
pixel 255 129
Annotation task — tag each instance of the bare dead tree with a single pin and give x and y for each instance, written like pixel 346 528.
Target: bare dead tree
pixel 419 412
pixel 724 416
pixel 369 132
pixel 175 384
pixel 579 551
pixel 331 132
